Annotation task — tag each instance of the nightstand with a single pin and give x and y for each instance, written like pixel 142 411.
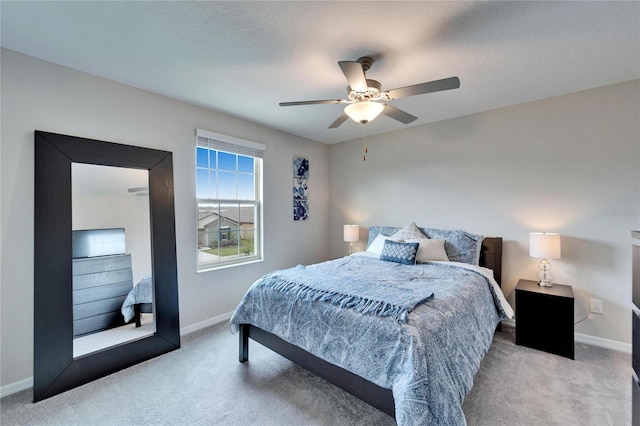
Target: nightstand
pixel 544 317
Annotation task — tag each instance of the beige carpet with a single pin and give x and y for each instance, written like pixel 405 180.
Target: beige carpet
pixel 204 384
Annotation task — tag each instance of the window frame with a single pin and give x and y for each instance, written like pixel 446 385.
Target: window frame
pixel 241 147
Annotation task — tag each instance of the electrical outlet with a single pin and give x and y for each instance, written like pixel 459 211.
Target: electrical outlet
pixel 596 306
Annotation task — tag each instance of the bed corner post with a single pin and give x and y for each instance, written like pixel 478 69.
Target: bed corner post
pixel 244 343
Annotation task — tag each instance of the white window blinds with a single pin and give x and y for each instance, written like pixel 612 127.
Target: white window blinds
pixel 226 143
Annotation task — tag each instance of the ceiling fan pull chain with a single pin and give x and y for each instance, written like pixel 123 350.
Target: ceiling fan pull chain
pixel 364 145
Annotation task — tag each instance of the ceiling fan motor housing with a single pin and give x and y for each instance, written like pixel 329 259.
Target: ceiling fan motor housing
pixel 373 92
pixel 366 62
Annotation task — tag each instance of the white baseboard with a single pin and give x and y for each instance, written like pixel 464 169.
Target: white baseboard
pixel 27 383
pixel 206 323
pixel 603 343
pixel 590 340
pixel 16 387
pixel 509 323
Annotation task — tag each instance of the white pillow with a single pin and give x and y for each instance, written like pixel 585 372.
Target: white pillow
pixel 429 250
pixel 409 232
pixel 377 244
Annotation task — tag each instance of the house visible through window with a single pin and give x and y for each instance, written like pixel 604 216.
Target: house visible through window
pixel 228 191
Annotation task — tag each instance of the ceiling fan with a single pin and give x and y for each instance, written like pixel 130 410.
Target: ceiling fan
pixel 140 191
pixel 366 100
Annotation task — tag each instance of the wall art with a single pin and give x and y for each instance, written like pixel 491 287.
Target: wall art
pixel 300 188
pixel 300 168
pixel 300 210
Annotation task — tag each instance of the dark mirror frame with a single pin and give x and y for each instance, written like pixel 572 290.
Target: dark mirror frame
pixel 55 368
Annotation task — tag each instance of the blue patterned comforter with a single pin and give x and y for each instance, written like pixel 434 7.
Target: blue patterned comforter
pixel 141 293
pixel 429 362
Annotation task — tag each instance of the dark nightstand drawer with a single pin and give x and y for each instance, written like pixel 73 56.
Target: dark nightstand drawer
pixel 544 318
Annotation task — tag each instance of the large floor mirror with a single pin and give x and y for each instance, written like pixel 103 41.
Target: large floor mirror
pixel 105 283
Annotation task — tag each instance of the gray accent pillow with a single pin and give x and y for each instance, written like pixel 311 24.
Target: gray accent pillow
pixel 429 250
pixel 409 232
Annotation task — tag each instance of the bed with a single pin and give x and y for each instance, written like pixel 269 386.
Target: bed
pixel 412 356
pixel 139 300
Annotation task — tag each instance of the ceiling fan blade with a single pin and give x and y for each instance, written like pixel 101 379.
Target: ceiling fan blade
pixel 355 75
pixel 398 114
pixel 422 88
pixel 339 121
pixel 326 101
pixel 138 189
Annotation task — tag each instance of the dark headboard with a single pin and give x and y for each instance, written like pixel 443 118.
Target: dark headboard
pixel 491 256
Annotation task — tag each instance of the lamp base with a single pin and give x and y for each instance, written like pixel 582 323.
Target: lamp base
pixel 544 275
pixel 352 249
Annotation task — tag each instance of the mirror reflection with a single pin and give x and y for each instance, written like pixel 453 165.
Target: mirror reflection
pixel 111 243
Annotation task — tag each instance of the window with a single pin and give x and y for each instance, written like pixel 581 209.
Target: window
pixel 228 192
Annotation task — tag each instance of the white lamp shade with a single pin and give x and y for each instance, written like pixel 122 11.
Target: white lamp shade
pixel 351 233
pixel 363 112
pixel 544 245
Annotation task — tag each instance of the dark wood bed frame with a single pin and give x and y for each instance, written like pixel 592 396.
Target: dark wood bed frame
pixel 378 397
pixel 141 308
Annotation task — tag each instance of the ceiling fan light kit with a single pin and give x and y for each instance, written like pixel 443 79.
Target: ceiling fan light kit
pixel 363 95
pixel 363 112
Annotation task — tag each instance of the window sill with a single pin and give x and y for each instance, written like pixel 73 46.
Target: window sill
pixel 217 266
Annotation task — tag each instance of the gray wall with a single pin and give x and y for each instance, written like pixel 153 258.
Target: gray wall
pixel 569 164
pixel 39 95
pixel 130 213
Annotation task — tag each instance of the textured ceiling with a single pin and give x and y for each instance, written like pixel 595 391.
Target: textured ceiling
pixel 242 58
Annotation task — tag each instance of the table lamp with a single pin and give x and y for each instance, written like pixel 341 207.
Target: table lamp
pixel 351 234
pixel 544 245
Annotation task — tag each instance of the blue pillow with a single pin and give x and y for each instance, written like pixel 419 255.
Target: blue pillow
pixel 404 253
pixel 461 246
